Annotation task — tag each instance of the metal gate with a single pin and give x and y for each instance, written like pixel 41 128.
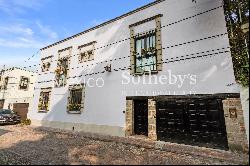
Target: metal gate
pixel 141 117
pixel 21 109
pixel 192 121
pixel 1 104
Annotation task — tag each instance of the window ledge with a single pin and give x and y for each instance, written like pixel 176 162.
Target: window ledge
pixel 42 111
pixel 146 73
pixel 74 112
pixel 23 89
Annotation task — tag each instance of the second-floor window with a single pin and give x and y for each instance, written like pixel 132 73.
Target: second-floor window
pixel 86 52
pixel 145 53
pixel 1 83
pixel 62 72
pixel 5 83
pixel 46 63
pixel 24 83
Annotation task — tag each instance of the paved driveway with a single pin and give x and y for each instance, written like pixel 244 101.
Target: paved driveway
pixel 28 145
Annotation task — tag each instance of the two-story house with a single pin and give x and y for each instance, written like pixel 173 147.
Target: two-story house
pixel 163 71
pixel 16 90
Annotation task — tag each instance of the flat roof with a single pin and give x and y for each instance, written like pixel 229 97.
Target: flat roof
pixel 106 23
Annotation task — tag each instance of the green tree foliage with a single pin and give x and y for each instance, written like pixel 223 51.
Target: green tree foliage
pixel 237 14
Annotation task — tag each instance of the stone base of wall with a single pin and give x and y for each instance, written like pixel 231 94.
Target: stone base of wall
pixel 91 128
pixel 234 119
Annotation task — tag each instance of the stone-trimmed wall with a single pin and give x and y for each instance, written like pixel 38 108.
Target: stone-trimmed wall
pixel 129 130
pixel 235 126
pixel 158 46
pixel 152 119
pixel 234 119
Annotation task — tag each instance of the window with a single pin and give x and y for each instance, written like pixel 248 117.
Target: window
pixel 86 52
pixel 76 99
pixel 46 63
pixel 61 72
pixel 146 46
pixel 5 83
pixel 45 66
pixel 145 53
pixel 86 56
pixel 44 100
pixel 24 83
pixel 1 83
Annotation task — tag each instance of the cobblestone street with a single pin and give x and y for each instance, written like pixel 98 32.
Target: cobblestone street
pixel 27 145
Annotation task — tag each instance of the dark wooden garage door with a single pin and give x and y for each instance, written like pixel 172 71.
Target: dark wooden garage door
pixel 141 117
pixel 192 121
pixel 21 109
pixel 1 104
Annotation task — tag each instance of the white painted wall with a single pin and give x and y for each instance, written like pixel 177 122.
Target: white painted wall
pixel 105 106
pixel 13 94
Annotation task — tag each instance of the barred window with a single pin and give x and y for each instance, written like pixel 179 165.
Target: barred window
pixel 76 99
pixel 24 83
pixel 145 53
pixel 146 46
pixel 44 100
pixel 5 84
pixel 46 63
pixel 86 52
pixel 62 72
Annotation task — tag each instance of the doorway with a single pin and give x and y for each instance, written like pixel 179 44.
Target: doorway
pixel 141 117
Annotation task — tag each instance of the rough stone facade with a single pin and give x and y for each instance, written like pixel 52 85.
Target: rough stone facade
pixel 159 44
pixel 152 119
pixel 132 48
pixel 236 133
pixel 129 118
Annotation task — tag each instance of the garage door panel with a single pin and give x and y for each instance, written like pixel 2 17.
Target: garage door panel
pixel 192 121
pixel 1 104
pixel 21 109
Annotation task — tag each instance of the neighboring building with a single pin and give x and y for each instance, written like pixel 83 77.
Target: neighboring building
pixel 183 42
pixel 16 90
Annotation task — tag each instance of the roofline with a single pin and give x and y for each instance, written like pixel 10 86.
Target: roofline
pixel 106 23
pixel 15 68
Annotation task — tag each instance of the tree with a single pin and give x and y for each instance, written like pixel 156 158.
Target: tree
pixel 237 14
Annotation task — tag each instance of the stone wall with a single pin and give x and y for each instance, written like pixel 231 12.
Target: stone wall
pixel 129 118
pixel 236 133
pixel 152 119
pixel 129 130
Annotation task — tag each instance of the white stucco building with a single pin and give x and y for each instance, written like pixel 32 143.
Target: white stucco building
pixel 17 90
pixel 99 80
